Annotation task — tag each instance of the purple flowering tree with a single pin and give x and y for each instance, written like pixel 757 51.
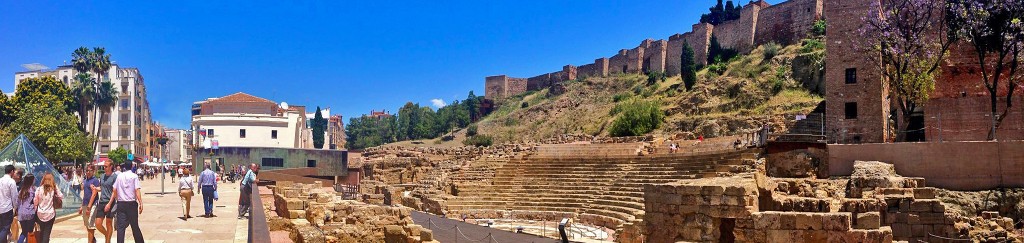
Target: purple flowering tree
pixel 995 29
pixel 911 41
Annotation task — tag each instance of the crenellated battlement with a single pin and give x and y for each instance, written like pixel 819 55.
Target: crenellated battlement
pixel 759 23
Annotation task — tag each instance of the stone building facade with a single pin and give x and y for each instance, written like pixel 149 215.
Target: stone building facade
pixel 858 107
pixel 759 23
pixel 128 124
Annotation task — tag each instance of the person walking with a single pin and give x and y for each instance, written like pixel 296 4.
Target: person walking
pixel 90 190
pixel 104 218
pixel 208 180
pixel 48 198
pixel 128 194
pixel 8 201
pixel 245 198
pixel 26 207
pixel 185 187
pixel 76 181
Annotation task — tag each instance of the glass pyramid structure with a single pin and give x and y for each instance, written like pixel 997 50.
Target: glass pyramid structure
pixel 24 155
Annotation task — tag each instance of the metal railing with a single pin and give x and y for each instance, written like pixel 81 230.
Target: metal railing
pixel 259 232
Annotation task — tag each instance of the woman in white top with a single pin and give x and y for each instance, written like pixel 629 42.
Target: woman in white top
pixel 46 193
pixel 185 186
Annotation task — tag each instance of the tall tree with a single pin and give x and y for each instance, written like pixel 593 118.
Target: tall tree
pixel 46 116
pixel 688 68
pixel 84 90
pixel 82 61
pixel 106 92
pixel 473 104
pixel 319 126
pixel 995 28
pixel 911 41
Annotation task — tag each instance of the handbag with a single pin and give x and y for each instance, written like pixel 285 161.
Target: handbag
pixel 58 202
pixel 216 196
pixel 31 237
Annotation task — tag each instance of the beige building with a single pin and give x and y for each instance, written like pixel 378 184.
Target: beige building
pixel 178 145
pixel 243 120
pixel 129 123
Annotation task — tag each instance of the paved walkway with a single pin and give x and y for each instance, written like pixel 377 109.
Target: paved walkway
pixel 444 231
pixel 161 218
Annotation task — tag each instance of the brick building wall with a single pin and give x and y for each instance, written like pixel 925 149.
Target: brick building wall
pixel 739 34
pixel 863 97
pixel 787 22
pixel 502 86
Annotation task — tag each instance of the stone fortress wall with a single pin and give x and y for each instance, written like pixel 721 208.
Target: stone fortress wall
pixel 759 23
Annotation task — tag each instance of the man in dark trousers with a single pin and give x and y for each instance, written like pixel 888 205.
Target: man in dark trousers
pixel 208 181
pixel 128 193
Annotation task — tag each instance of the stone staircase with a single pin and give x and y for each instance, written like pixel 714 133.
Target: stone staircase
pixel 600 185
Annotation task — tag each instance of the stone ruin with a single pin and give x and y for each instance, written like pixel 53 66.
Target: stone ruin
pixel 313 213
pixel 873 205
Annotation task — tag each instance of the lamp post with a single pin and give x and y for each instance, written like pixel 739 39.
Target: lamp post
pixel 162 140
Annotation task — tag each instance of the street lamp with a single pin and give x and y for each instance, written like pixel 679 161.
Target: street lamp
pixel 162 140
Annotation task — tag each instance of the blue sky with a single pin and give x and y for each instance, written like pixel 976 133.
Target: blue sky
pixel 352 56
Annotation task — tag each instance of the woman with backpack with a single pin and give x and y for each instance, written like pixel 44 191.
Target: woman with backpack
pixel 47 199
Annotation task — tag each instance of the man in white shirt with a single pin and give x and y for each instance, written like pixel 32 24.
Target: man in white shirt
pixel 128 193
pixel 8 200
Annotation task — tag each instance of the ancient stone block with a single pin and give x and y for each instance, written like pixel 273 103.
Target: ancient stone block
pixel 869 220
pixel 712 190
pixel 901 230
pixel 836 221
pixel 294 214
pixel 920 230
pixel 766 221
pixel 394 234
pixel 809 222
pixel 295 204
pixel 924 193
pixel 426 235
pixel 922 206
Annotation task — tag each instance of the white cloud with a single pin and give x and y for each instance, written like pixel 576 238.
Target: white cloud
pixel 438 103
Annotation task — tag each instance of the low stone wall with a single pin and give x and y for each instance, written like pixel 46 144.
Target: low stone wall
pixel 950 165
pixel 691 210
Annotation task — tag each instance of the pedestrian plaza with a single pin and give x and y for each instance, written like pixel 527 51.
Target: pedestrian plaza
pixel 161 219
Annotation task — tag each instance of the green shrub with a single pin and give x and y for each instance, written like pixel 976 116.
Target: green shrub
pixel 471 130
pixel 818 28
pixel 621 96
pixel 717 68
pixel 777 86
pixel 811 45
pixel 654 77
pixel 525 105
pixel 637 118
pixel 479 141
pixel 771 50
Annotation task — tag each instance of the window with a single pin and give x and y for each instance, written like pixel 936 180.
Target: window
pixel 241 133
pixel 851 110
pixel 104 148
pixel 124 118
pixel 311 163
pixel 273 134
pixel 273 162
pixel 124 104
pixel 851 75
pixel 124 133
pixel 209 133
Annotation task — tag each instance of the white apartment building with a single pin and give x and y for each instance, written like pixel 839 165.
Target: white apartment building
pixel 243 120
pixel 129 123
pixel 178 146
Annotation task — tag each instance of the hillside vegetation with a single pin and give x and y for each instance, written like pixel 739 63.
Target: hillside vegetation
pixel 728 98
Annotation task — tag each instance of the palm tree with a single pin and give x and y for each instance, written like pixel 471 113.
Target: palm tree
pixel 104 101
pixel 84 90
pixel 81 60
pixel 107 93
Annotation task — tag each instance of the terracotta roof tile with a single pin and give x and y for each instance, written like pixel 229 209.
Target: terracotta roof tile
pixel 242 97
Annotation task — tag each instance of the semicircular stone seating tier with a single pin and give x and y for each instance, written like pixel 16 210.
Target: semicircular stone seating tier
pixel 599 184
pixel 24 155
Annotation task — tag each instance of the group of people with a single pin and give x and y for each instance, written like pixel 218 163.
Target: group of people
pixel 114 196
pixel 208 185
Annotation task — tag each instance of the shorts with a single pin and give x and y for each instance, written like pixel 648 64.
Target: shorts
pixel 88 219
pixel 99 213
